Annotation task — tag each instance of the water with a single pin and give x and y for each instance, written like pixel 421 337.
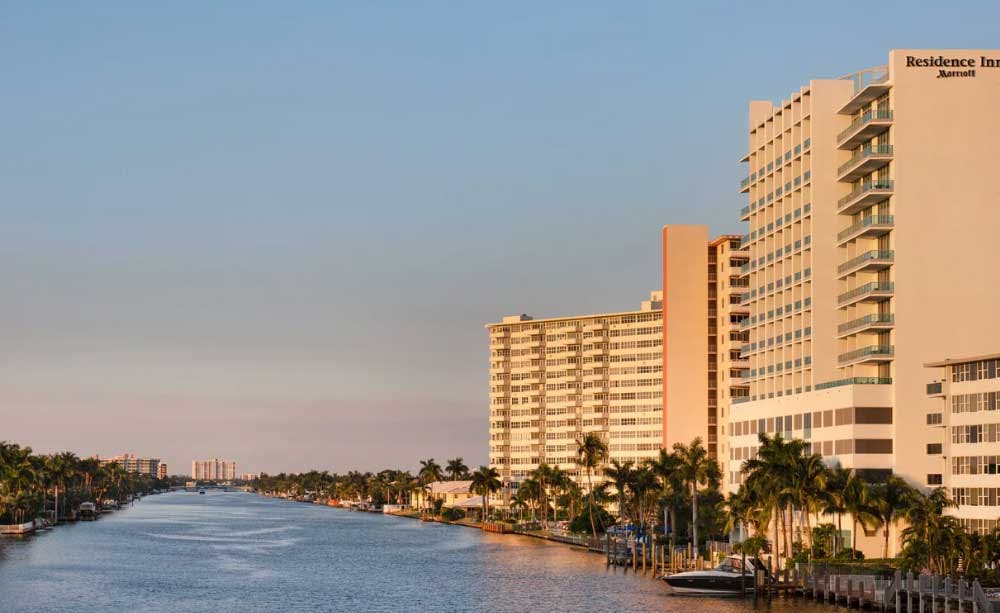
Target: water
pixel 241 552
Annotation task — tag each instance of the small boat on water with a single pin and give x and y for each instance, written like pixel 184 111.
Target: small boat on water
pixel 88 511
pixel 201 491
pixel 729 578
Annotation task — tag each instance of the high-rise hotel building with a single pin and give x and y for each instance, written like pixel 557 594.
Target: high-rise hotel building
pixel 872 237
pixel 554 380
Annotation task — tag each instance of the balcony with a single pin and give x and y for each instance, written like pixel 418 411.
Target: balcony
pixel 869 159
pixel 740 254
pixel 869 323
pixel 864 196
pixel 935 389
pixel 873 225
pixel 742 364
pixel 867 355
pixel 869 84
pixel 864 128
pixel 854 381
pixel 867 261
pixel 745 185
pixel 745 213
pixel 876 291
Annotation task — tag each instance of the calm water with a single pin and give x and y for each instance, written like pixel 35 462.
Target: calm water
pixel 234 551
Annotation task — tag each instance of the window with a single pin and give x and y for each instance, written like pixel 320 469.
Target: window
pixel 933 448
pixel 934 479
pixel 933 419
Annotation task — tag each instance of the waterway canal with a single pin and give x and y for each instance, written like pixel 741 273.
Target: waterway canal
pixel 241 552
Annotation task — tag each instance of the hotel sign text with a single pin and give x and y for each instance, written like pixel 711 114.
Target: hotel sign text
pixel 949 67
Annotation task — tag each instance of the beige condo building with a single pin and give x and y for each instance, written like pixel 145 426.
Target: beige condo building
pixel 872 221
pixel 554 380
pixel 702 335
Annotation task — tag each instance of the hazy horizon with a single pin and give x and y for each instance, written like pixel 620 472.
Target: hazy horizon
pixel 274 233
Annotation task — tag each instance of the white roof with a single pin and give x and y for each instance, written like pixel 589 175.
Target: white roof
pixel 474 502
pixel 449 487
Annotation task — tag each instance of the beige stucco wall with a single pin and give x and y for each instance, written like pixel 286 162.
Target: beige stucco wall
pixel 947 138
pixel 685 333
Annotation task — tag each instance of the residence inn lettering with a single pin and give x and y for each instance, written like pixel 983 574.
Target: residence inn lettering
pixel 952 66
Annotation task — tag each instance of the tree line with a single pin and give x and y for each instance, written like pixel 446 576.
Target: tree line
pixel 789 503
pixel 32 484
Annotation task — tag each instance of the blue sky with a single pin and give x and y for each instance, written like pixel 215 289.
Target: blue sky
pixel 274 231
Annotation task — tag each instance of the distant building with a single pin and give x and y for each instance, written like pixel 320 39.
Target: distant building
pixel 161 472
pixel 213 470
pixel 133 464
pixel 249 476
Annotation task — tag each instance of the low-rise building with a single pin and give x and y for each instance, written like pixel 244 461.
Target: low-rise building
pixel 450 493
pixel 964 435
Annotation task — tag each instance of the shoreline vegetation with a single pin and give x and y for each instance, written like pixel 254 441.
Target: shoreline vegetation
pixel 790 508
pixel 38 491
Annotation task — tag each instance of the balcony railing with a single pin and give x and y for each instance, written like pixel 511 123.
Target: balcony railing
pixel 860 122
pixel 854 381
pixel 869 187
pixel 744 211
pixel 885 351
pixel 868 256
pixel 874 319
pixel 875 287
pixel 872 151
pixel 871 220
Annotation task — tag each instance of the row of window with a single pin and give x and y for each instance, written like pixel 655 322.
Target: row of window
pixel 559 325
pixel 975 465
pixel 777 254
pixel 815 419
pixel 977 433
pixel 774 286
pixel 973 403
pixel 826 448
pixel 777 224
pixel 975 371
pixel 976 496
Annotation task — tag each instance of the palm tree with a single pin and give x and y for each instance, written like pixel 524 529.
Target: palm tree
pixel 664 466
pixel 528 494
pixel 929 531
pixel 808 482
pixel 622 475
pixel 591 452
pixel 836 482
pixel 456 469
pixel 485 481
pixel 694 467
pixel 858 502
pixel 430 471
pixel 891 500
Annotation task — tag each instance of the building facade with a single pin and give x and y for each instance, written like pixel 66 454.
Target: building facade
pixel 554 380
pixel 133 464
pixel 213 470
pixel 964 437
pixel 161 471
pixel 702 316
pixel 871 240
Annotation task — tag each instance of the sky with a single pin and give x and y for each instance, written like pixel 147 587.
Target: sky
pixel 273 232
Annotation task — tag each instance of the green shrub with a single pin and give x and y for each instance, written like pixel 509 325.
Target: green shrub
pixel 453 514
